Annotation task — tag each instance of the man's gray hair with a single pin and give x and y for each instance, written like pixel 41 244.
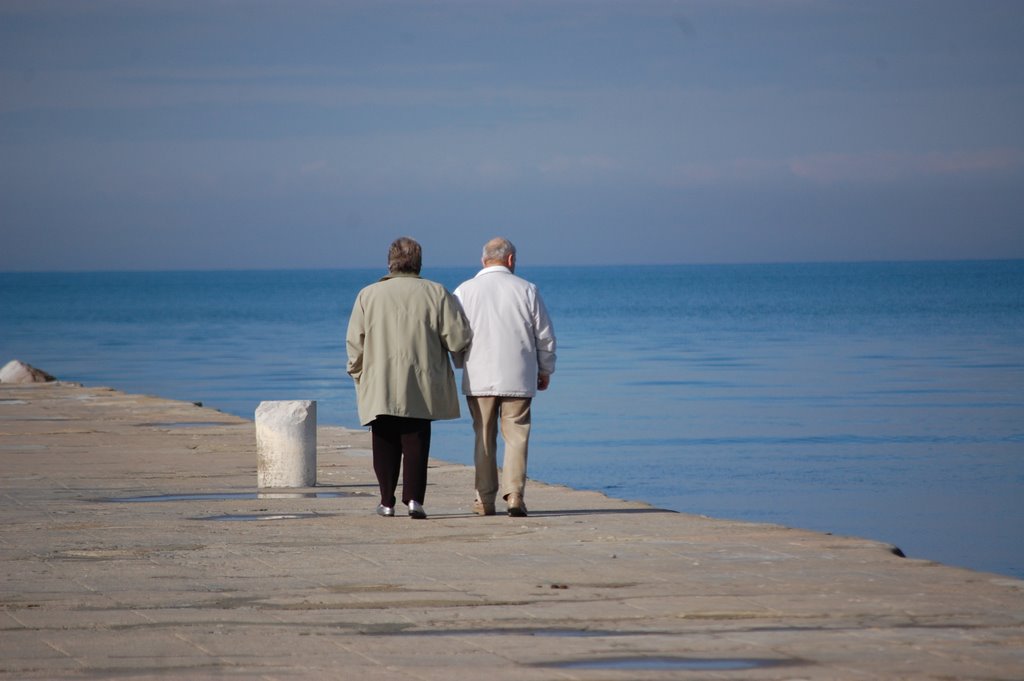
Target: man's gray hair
pixel 498 248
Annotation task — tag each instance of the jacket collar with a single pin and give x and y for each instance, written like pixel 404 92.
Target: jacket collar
pixel 395 275
pixel 494 268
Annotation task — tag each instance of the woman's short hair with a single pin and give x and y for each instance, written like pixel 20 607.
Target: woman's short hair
pixel 405 255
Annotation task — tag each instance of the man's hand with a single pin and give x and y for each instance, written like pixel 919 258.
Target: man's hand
pixel 543 380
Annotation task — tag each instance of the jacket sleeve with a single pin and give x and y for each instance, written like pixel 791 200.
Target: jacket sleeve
pixel 354 340
pixel 544 333
pixel 459 356
pixel 454 327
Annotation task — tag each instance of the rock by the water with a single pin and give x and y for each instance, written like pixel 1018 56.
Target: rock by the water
pixel 17 371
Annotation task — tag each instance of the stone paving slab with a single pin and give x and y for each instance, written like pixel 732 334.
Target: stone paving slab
pixel 101 580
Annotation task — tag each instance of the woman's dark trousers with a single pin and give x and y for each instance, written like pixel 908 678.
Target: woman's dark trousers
pixel 395 437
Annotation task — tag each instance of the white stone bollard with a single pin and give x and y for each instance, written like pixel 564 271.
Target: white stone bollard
pixel 286 443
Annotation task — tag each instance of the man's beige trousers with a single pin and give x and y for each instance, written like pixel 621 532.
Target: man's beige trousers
pixel 514 415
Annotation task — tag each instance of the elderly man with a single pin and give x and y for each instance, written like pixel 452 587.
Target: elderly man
pixel 511 357
pixel 400 334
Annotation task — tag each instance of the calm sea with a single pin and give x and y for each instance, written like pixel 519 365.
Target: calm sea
pixel 881 400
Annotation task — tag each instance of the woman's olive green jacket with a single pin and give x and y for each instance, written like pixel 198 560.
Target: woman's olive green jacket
pixel 399 336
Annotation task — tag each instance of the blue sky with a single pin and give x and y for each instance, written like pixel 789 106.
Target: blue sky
pixel 228 134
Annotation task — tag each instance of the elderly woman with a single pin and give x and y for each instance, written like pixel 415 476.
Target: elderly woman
pixel 400 333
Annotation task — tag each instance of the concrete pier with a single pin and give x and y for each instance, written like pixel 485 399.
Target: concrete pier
pixel 134 545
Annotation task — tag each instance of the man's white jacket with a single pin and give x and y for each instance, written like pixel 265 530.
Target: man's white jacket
pixel 513 339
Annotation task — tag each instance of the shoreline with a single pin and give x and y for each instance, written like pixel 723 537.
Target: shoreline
pixel 885 409
pixel 435 462
pixel 103 579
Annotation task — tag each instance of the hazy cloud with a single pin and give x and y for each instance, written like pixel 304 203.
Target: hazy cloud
pixel 764 127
